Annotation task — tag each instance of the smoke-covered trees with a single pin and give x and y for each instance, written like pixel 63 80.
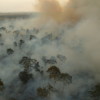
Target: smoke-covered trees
pixel 53 70
pixel 32 37
pixel 66 78
pixel 10 51
pixel 45 91
pixel 52 60
pixel 31 71
pixel 25 76
pixel 61 57
pixel 42 92
pixel 21 42
pixel 0 35
pixel 2 28
pixel 95 92
pixel 12 99
pixel 1 85
pixel 54 73
pixel 29 63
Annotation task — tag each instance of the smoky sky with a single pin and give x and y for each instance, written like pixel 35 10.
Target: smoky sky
pixel 74 34
pixel 17 5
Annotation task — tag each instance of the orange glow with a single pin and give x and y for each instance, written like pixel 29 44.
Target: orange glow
pixel 63 2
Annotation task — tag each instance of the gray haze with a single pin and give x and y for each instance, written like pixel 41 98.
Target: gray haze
pixel 77 41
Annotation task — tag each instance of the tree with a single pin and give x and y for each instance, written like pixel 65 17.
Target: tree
pixel 10 51
pixel 52 60
pixel 25 76
pixel 53 70
pixel 15 43
pixel 54 73
pixel 66 78
pixel 95 92
pixel 1 85
pixel 0 35
pixel 61 57
pixel 32 37
pixel 21 42
pixel 12 99
pixel 27 62
pixel 2 29
pixel 42 92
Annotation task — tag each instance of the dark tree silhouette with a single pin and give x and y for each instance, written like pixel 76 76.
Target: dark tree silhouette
pixel 66 78
pixel 1 85
pixel 10 51
pixel 42 92
pixel 15 43
pixel 45 92
pixel 27 63
pixel 61 57
pixel 21 42
pixel 25 76
pixel 95 92
pixel 54 73
pixel 0 35
pixel 53 70
pixel 49 61
pixel 2 29
pixel 32 37
pixel 12 99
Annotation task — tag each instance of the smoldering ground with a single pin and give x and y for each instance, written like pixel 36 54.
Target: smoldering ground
pixel 68 37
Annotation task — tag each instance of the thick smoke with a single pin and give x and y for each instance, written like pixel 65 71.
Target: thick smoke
pixel 66 36
pixel 60 13
pixel 85 13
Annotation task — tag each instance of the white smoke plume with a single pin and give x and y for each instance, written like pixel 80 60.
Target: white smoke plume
pixel 68 34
